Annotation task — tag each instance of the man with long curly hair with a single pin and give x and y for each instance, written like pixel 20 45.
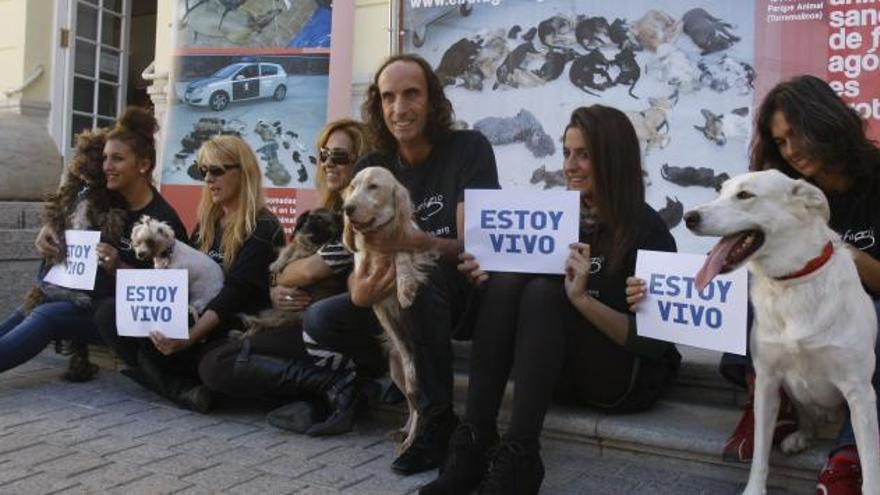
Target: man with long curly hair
pixel 411 120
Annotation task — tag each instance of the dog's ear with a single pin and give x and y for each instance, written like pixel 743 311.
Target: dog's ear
pixel 348 236
pixel 403 209
pixel 301 220
pixel 812 198
pixel 165 230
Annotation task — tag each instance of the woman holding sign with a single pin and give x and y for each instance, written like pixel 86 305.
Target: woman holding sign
pixel 238 232
pixel 128 161
pixel 571 339
pixel 275 363
pixel 805 130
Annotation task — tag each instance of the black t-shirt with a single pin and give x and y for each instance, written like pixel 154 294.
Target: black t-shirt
pixel 158 208
pixel 609 286
pixel 246 287
pixel 462 160
pixel 855 215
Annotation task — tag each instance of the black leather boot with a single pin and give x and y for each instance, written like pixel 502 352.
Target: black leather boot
pixel 466 462
pixel 515 468
pixel 428 449
pixel 341 390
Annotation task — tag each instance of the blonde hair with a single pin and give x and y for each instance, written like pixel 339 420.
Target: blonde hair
pixel 357 132
pixel 243 221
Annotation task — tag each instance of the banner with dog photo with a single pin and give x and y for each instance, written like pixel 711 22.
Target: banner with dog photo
pixel 261 70
pixel 688 73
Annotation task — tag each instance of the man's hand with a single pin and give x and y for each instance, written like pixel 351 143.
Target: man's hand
pixel 168 346
pixel 47 243
pixel 471 269
pixel 372 281
pixel 410 240
pixel 289 298
pixel 577 271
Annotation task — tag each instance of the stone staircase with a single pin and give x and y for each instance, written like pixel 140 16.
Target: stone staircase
pixel 686 430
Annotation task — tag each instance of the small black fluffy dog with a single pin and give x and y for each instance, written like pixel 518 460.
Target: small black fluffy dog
pixel 313 229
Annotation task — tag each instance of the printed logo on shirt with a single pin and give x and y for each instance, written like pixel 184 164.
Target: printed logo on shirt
pixel 596 264
pixel 860 239
pixel 429 207
pixel 215 255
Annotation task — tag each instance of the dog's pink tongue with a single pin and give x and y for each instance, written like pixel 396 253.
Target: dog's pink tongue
pixel 715 261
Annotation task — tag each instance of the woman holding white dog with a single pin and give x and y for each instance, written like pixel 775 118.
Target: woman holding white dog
pixel 128 161
pixel 239 233
pixel 274 362
pixel 805 130
pixel 571 339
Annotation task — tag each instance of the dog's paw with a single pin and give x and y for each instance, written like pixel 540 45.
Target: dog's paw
pixel 798 441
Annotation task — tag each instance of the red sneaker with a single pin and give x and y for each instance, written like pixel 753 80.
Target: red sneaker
pixel 741 443
pixel 841 475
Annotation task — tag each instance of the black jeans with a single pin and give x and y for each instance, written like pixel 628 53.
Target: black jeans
pixel 181 365
pixel 217 367
pixel 527 327
pixel 337 324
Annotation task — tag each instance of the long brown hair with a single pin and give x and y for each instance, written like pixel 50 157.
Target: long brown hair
pixel 824 126
pixel 440 113
pixel 619 189
pixel 357 132
pixel 230 149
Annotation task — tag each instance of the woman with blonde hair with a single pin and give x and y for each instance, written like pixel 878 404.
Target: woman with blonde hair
pixel 274 363
pixel 238 232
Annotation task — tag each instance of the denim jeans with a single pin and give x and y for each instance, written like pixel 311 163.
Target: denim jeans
pixel 23 337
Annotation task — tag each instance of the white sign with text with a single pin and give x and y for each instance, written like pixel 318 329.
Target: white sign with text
pixel 78 270
pixel 674 311
pixel 520 231
pixel 148 300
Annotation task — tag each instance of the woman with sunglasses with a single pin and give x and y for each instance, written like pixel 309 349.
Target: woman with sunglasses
pixel 274 363
pixel 235 229
pixel 128 161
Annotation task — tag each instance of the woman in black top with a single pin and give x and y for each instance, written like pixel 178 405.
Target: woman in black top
pixel 568 338
pixel 129 159
pixel 238 232
pixel 274 363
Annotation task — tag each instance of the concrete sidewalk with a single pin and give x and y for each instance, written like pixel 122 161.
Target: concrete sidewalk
pixel 111 436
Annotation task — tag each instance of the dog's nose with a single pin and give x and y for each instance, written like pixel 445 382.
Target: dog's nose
pixel 349 209
pixel 692 219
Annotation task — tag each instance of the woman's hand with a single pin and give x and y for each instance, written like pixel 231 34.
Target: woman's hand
pixel 372 280
pixel 168 346
pixel 471 269
pixel 577 271
pixel 289 298
pixel 47 243
pixel 108 256
pixel 635 292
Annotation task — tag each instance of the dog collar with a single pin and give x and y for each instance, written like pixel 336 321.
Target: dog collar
pixel 812 265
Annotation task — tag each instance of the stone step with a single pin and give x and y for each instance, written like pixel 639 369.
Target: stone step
pixel 20 214
pixel 18 245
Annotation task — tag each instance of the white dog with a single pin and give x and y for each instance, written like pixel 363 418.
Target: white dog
pixel 378 205
pixel 814 328
pixel 153 239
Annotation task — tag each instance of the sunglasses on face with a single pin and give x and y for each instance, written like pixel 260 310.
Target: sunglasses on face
pixel 215 170
pixel 337 156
